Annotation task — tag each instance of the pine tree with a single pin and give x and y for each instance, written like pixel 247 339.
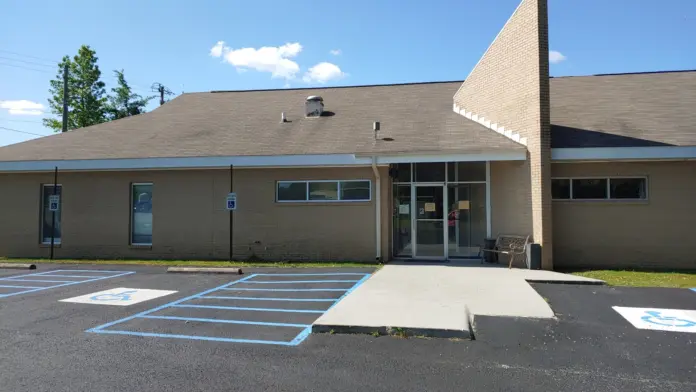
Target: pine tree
pixel 125 102
pixel 86 93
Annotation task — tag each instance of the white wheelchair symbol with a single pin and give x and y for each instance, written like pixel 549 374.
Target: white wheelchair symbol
pixel 124 296
pixel 654 317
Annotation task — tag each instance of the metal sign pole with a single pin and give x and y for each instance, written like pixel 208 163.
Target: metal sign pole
pixel 231 214
pixel 53 213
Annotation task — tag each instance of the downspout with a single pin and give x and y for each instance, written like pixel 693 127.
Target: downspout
pixel 378 210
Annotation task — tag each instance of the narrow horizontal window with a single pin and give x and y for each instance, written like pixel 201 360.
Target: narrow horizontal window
pixel 589 188
pixel 628 188
pixel 292 191
pixel 355 190
pixel 328 191
pixel 323 191
pixel 141 214
pixel 560 188
pixel 611 188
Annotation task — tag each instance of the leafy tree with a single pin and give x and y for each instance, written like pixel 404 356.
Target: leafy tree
pixel 86 93
pixel 125 102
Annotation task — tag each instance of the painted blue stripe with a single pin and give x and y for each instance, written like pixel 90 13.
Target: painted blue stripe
pixel 225 321
pixel 209 338
pixel 246 289
pixel 694 289
pixel 21 287
pixel 72 270
pixel 301 336
pixel 323 274
pixel 304 334
pixel 271 299
pixel 39 280
pixel 74 276
pixel 107 325
pixel 252 309
pixel 299 281
pixel 68 284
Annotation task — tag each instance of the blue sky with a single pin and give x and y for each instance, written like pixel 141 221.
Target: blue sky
pixel 373 42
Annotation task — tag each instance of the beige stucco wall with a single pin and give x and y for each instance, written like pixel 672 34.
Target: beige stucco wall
pixel 189 219
pixel 657 233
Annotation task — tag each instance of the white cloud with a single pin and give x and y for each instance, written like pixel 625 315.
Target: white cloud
pixel 322 73
pixel 275 60
pixel 216 51
pixel 335 52
pixel 22 107
pixel 556 57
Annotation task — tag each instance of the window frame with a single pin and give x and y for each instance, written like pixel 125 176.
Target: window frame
pixel 338 188
pixel 56 241
pixel 132 215
pixel 608 179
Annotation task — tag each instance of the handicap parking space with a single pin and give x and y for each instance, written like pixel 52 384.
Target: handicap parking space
pixel 262 308
pixel 18 284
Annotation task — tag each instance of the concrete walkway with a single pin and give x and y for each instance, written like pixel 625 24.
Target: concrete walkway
pixel 440 300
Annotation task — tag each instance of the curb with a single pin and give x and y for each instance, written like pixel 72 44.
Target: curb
pixel 17 266
pixel 206 270
pixel 394 331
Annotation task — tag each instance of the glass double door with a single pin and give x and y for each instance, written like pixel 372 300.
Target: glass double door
pixel 440 221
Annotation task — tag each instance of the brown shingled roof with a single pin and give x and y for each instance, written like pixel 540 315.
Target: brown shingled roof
pixel 418 117
pixel 624 110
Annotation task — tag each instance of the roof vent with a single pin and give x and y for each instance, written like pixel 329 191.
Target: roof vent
pixel 314 106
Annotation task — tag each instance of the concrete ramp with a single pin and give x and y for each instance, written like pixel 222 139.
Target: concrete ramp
pixel 438 300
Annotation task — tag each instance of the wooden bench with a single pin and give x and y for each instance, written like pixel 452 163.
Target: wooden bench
pixel 513 245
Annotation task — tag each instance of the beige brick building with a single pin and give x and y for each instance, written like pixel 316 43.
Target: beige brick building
pixel 598 170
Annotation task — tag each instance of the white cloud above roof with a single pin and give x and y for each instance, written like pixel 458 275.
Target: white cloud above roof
pixel 275 60
pixel 322 73
pixel 556 57
pixel 22 107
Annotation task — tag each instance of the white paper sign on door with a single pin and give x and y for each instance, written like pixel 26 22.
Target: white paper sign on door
pixel 675 320
pixel 121 296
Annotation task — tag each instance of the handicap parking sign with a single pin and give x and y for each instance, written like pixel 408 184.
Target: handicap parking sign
pixel 120 296
pixel 231 201
pixel 53 202
pixel 675 320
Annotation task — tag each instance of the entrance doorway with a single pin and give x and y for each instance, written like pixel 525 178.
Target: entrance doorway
pixel 440 220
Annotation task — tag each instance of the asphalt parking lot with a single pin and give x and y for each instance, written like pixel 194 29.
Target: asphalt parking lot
pixel 50 345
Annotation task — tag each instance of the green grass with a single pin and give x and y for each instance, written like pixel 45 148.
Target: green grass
pixel 643 278
pixel 200 263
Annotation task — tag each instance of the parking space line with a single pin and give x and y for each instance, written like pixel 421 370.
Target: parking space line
pixel 247 289
pixel 40 280
pixel 63 283
pixel 192 337
pixel 21 287
pixel 272 299
pixel 230 286
pixel 299 281
pixel 251 309
pixel 322 274
pixel 74 276
pixel 225 321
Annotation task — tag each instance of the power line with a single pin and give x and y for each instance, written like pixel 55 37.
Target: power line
pixel 24 121
pixel 26 68
pixel 26 62
pixel 17 130
pixel 29 56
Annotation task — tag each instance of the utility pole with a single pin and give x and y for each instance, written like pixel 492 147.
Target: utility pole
pixel 162 90
pixel 65 100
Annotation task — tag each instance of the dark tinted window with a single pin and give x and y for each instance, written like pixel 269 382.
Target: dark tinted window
pixel 628 188
pixel 560 188
pixel 590 188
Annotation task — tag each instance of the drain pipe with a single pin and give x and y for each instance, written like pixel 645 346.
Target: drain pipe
pixel 378 210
